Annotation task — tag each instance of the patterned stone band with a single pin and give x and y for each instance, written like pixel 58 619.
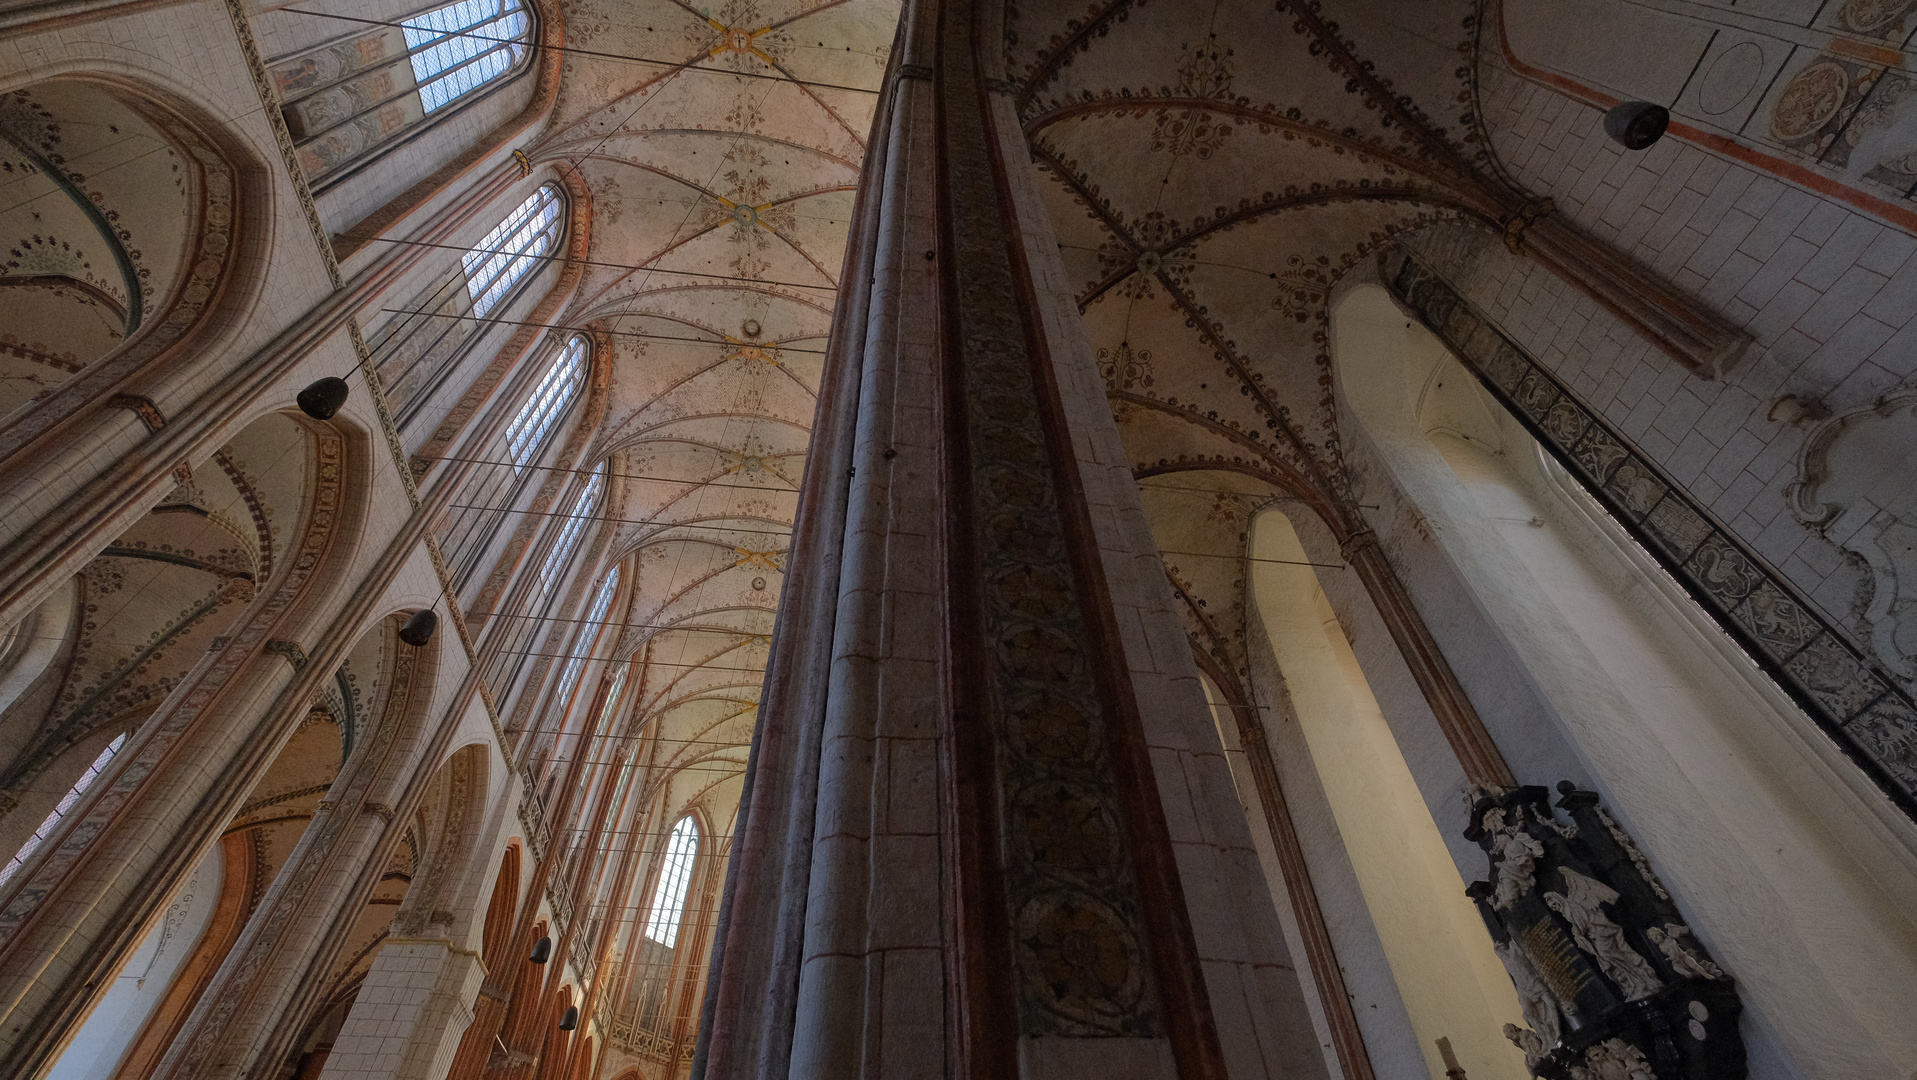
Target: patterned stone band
pixel 1869 716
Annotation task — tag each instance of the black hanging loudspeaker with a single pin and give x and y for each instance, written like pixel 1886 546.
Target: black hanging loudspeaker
pixel 571 1019
pixel 419 629
pixel 322 399
pixel 542 951
pixel 1635 125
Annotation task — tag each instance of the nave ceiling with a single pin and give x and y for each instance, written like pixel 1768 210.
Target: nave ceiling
pixel 721 185
pixel 1212 171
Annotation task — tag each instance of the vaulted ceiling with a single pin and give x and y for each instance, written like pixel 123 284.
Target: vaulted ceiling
pixel 1215 168
pixel 721 181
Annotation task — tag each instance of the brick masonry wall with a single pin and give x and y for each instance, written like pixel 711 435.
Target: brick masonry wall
pixel 1826 292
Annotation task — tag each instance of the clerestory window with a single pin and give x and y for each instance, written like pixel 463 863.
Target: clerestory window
pixel 53 819
pixel 583 509
pixel 513 249
pixel 458 48
pixel 587 638
pixel 351 100
pixel 675 875
pixel 529 427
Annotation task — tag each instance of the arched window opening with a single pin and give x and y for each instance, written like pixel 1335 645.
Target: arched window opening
pixel 1401 876
pixel 540 599
pixel 675 876
pixel 423 349
pixel 1619 677
pixel 349 99
pixel 583 509
pixel 586 641
pixel 460 47
pixel 526 434
pixel 59 812
pixel 514 247
pixel 488 496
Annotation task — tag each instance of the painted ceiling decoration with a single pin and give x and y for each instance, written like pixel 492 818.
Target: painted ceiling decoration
pixel 1214 171
pixel 721 188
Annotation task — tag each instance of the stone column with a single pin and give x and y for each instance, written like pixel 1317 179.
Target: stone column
pixel 412 1009
pixel 989 829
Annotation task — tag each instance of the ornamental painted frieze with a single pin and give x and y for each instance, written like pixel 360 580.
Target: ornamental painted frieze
pixel 1612 983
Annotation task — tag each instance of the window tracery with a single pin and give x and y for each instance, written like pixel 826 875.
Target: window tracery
pixel 460 47
pixel 347 100
pixel 675 876
pixel 514 247
pixel 526 434
pixel 59 812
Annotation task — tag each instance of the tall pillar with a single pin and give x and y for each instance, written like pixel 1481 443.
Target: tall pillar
pixel 989 829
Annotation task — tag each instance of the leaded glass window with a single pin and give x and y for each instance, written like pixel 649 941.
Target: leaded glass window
pixel 587 637
pixel 458 48
pixel 513 249
pixel 53 819
pixel 529 427
pixel 675 875
pixel 582 510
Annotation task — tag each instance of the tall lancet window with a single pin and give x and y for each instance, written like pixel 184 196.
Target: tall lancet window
pixel 537 598
pixel 587 639
pixel 675 875
pixel 349 101
pixel 488 496
pixel 59 812
pixel 571 529
pixel 458 48
pixel 513 249
pixel 526 434
pixel 431 348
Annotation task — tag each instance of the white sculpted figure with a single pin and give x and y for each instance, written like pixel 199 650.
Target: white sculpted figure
pixel 1534 997
pixel 1515 855
pixel 1613 1059
pixel 1602 938
pixel 1528 1041
pixel 1682 960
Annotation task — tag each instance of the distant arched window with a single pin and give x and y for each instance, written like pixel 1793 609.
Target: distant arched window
pixel 675 875
pixel 458 48
pixel 513 249
pixel 527 432
pixel 72 796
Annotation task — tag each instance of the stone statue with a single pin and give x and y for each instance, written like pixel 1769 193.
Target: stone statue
pixel 1682 960
pixel 1515 854
pixel 1614 1059
pixel 1535 999
pixel 1528 1041
pixel 1598 935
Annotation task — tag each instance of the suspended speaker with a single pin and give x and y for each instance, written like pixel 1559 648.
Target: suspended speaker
pixel 322 399
pixel 571 1019
pixel 419 629
pixel 1635 125
pixel 542 951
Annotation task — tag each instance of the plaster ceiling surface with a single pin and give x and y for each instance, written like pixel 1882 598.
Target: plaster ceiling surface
pixel 721 181
pixel 1214 171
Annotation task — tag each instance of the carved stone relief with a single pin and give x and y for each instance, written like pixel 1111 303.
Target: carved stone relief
pixel 1612 984
pixel 1853 486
